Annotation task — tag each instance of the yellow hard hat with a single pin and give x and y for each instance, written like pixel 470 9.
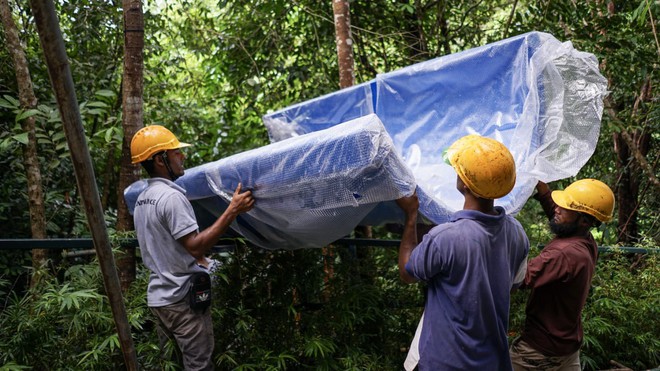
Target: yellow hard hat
pixel 152 139
pixel 485 165
pixel 589 196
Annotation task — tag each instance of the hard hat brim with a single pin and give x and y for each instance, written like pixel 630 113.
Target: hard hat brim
pixel 139 158
pixel 561 199
pixel 564 200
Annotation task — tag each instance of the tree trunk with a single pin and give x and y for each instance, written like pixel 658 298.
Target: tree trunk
pixel 52 44
pixel 626 191
pixel 132 87
pixel 108 177
pixel 344 43
pixel 411 26
pixel 31 162
pixel 346 62
pixel 631 148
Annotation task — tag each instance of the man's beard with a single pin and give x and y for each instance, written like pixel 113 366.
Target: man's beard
pixel 564 229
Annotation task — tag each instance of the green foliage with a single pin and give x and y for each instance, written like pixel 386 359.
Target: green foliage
pixel 11 366
pixel 13 263
pixel 94 38
pixel 280 310
pixel 623 39
pixel 64 217
pixel 212 69
pixel 620 315
pixel 58 317
pixel 273 310
pixel 66 323
pixel 281 307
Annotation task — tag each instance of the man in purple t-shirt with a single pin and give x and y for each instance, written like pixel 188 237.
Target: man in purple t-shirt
pixel 470 264
pixel 560 277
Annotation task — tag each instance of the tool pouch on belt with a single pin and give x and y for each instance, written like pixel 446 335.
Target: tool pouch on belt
pixel 200 291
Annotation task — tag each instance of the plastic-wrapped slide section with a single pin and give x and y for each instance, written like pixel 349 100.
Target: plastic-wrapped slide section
pixel 538 96
pixel 315 188
pixel 310 190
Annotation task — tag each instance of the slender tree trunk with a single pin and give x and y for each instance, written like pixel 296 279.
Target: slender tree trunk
pixel 630 173
pixel 413 33
pixel 631 148
pixel 108 177
pixel 132 88
pixel 344 42
pixel 626 191
pixel 52 44
pixel 28 101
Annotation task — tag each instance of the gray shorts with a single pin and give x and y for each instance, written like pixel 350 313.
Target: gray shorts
pixel 193 332
pixel 524 357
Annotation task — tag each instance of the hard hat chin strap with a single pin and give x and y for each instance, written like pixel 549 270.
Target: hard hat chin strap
pixel 167 165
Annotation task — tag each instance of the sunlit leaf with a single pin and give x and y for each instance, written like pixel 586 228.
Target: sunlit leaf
pixel 106 93
pixel 27 113
pixel 22 138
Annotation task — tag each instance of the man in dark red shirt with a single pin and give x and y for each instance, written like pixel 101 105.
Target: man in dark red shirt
pixel 560 276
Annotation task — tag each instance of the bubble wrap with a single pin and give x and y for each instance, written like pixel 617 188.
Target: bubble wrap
pixel 310 190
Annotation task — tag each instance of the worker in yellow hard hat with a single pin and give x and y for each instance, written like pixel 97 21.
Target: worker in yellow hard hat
pixel 560 277
pixel 171 245
pixel 157 140
pixel 469 264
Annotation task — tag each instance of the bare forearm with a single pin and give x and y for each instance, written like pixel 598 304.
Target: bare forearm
pixel 198 244
pixel 408 244
pixel 543 196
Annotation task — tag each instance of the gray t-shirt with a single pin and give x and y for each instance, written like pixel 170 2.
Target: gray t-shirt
pixel 162 215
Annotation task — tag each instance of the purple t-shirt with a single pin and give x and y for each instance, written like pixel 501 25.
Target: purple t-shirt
pixel 469 265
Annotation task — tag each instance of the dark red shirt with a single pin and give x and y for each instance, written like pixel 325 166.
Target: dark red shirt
pixel 560 278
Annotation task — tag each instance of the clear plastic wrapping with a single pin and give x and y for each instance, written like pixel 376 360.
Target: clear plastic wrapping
pixel 310 190
pixel 540 97
pixel 341 160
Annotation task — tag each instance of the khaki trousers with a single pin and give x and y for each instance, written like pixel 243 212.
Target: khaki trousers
pixel 524 357
pixel 192 330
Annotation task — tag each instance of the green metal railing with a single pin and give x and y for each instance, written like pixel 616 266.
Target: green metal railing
pixel 88 243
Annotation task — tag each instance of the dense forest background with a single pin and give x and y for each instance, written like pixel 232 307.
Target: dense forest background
pixel 211 70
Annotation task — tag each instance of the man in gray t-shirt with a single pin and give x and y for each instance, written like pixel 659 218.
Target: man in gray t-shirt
pixel 171 243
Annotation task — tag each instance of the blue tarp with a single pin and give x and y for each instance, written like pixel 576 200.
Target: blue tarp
pixel 341 159
pixel 538 96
